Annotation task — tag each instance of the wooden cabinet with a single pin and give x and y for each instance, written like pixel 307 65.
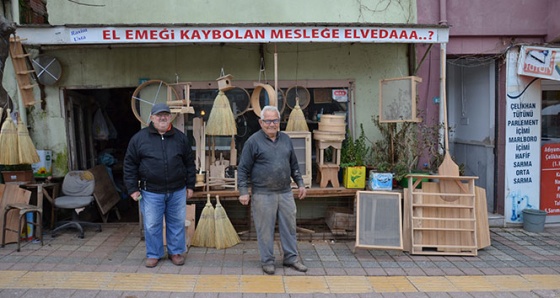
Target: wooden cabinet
pixel 301 141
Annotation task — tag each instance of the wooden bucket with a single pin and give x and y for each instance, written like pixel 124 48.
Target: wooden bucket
pixel 334 123
pixel 333 127
pixel 328 136
pixel 332 119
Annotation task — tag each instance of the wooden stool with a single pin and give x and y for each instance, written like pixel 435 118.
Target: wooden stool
pixel 321 145
pixel 328 172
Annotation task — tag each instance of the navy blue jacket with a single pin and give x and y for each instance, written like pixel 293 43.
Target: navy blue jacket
pixel 159 163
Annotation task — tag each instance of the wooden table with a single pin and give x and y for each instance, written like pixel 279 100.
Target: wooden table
pixel 313 192
pixel 50 192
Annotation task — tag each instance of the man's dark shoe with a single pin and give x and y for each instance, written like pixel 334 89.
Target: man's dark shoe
pixel 297 266
pixel 177 259
pixel 151 262
pixel 268 269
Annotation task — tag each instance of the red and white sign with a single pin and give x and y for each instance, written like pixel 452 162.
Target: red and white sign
pixel 540 62
pixel 340 95
pixel 109 35
pixel 550 179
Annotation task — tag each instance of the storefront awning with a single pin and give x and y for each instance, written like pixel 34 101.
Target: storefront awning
pixel 66 35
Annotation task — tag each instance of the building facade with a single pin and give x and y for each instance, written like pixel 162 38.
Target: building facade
pixel 499 131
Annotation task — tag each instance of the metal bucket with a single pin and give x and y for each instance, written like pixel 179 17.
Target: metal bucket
pixel 533 220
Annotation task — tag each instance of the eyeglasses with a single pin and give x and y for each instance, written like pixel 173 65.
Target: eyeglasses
pixel 268 122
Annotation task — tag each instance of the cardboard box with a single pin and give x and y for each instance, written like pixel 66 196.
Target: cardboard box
pixel 354 177
pixel 381 181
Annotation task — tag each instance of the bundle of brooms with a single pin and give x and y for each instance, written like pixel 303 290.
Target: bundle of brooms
pixel 296 121
pixel 221 121
pixel 9 142
pixel 226 236
pixel 205 235
pixel 26 149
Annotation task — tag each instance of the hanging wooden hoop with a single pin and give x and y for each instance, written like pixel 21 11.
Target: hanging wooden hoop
pixel 241 98
pixel 142 107
pixel 298 91
pixel 255 97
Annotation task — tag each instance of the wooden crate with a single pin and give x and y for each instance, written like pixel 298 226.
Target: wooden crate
pixel 340 220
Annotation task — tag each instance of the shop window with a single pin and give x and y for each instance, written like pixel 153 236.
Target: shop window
pixel 324 98
pixel 550 111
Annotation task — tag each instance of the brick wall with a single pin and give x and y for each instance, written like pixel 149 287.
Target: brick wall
pixel 33 12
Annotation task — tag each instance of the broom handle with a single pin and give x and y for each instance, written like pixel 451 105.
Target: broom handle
pixel 276 72
pixel 443 97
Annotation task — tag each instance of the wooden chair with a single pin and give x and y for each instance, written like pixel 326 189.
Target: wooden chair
pixel 23 209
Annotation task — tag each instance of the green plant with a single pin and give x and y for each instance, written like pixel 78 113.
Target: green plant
pixel 354 152
pixel 401 146
pixel 18 167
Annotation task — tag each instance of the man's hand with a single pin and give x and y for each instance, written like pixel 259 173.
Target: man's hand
pixel 302 193
pixel 135 195
pixel 244 199
pixel 190 193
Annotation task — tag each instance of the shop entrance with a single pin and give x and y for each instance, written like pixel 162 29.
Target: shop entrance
pixel 99 124
pixel 88 146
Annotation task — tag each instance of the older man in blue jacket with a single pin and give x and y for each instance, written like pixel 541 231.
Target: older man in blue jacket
pixel 159 172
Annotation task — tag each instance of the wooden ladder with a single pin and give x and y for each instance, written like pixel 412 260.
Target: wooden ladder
pixel 23 70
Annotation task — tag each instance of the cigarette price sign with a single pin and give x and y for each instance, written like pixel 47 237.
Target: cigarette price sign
pixel 550 179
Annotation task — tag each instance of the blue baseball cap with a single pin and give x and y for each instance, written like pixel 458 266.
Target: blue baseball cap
pixel 160 107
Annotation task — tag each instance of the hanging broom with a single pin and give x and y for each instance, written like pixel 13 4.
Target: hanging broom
pixel 9 142
pixel 296 121
pixel 27 151
pixel 221 121
pixel 226 236
pixel 204 235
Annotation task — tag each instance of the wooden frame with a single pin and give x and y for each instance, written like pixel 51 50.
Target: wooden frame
pixel 397 99
pixel 301 141
pixel 379 220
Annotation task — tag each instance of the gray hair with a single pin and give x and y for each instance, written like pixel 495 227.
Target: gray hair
pixel 270 108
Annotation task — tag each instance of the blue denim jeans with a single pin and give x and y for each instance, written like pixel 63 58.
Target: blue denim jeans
pixel 154 206
pixel 266 208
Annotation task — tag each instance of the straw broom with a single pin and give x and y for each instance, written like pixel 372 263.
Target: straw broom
pixel 27 151
pixel 296 121
pixel 221 121
pixel 204 235
pixel 226 236
pixel 9 142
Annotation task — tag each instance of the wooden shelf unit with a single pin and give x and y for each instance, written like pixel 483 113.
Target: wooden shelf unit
pixel 443 216
pixel 23 70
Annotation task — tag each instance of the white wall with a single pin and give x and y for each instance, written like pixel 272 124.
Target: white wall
pixel 63 12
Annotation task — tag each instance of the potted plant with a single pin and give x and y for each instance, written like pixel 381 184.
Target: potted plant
pixel 352 160
pixel 17 173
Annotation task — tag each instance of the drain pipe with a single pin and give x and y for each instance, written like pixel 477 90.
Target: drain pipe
pixel 443 12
